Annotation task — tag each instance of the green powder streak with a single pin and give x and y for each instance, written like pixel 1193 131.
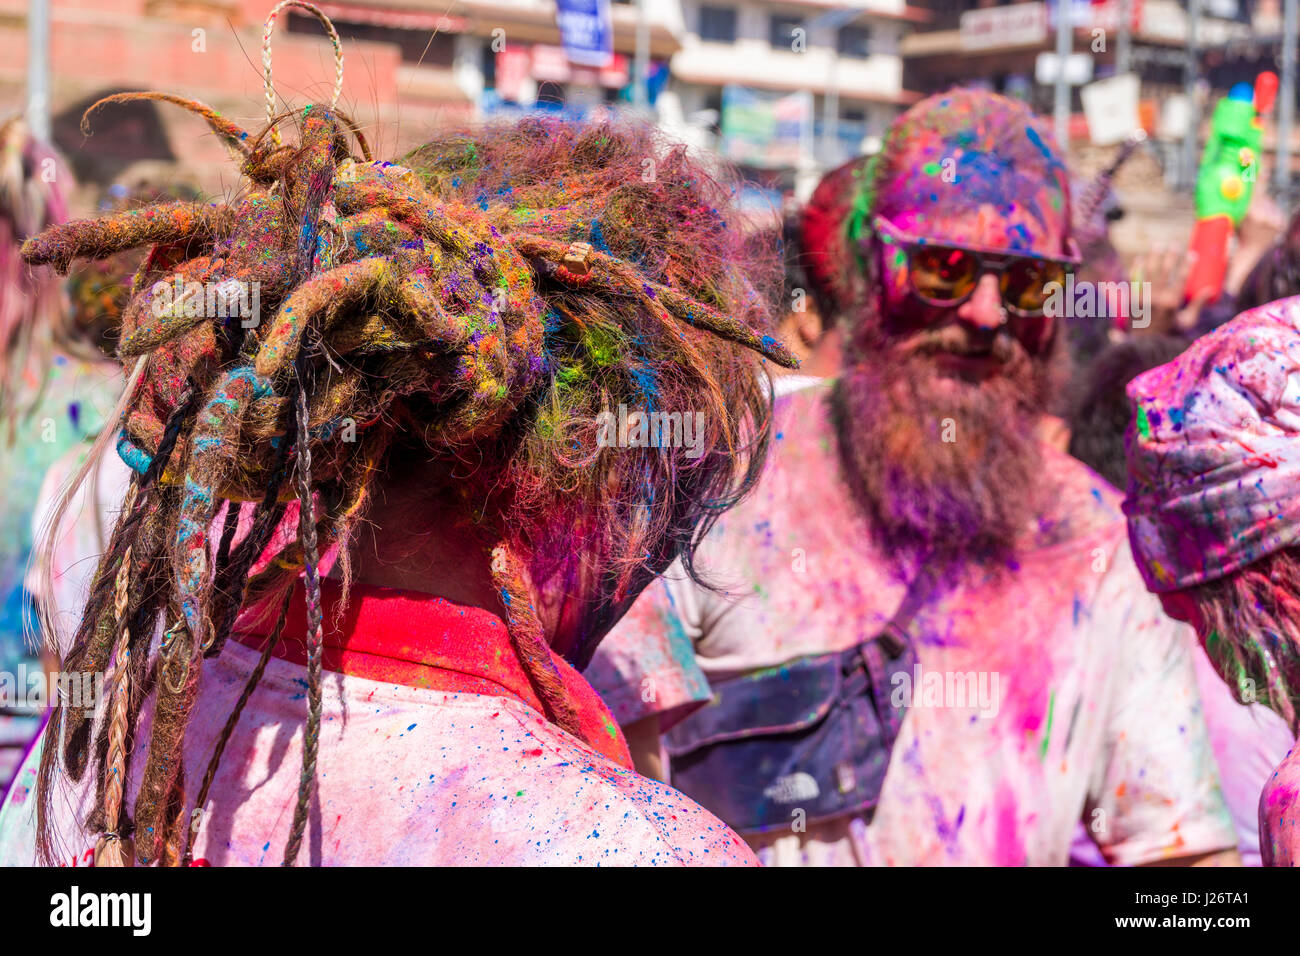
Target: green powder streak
pixel 1144 426
pixel 1047 736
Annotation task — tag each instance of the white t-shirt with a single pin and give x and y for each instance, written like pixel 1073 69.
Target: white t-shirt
pixel 406 776
pixel 1096 715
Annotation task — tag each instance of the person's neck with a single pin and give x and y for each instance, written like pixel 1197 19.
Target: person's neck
pixel 408 543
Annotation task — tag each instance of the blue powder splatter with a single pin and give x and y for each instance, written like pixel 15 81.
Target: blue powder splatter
pixel 1038 141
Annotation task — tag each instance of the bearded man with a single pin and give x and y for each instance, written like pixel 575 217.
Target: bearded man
pixel 1036 682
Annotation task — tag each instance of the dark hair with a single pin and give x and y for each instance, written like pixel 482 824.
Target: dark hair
pixel 1276 275
pixel 1099 411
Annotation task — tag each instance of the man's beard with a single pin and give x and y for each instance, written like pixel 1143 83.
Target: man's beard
pixel 947 470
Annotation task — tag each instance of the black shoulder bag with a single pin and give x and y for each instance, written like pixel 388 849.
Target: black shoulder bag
pixel 813 734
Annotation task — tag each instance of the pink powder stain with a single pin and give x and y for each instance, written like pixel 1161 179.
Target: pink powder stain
pixel 1009 849
pixel 1030 721
pixel 1025 670
pixel 1282 795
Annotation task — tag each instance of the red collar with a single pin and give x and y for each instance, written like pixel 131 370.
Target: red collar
pixel 406 637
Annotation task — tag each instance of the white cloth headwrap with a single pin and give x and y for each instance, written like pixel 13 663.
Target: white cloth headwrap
pixel 1214 455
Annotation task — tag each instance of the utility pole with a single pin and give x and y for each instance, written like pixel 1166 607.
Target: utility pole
pixel 1286 104
pixel 1064 46
pixel 38 68
pixel 1190 71
pixel 831 22
pixel 1124 38
pixel 641 64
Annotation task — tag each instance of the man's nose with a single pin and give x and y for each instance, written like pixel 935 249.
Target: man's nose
pixel 984 308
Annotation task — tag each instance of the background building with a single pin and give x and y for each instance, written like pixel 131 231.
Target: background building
pixel 831 74
pixel 411 64
pixel 783 88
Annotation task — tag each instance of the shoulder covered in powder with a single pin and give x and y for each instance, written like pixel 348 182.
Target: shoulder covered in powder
pixel 663 827
pixel 1279 814
pixel 547 799
pixel 802 429
pixel 1081 502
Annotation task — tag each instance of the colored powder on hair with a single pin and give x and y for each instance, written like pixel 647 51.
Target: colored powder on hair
pixel 1038 141
pixel 1143 424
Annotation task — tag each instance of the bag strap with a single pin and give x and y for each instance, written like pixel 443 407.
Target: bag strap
pixel 894 641
pixel 894 634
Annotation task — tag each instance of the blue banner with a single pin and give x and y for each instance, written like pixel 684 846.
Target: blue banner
pixel 586 30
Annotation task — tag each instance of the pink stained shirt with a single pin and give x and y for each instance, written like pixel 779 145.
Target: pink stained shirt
pixel 1097 715
pixel 407 775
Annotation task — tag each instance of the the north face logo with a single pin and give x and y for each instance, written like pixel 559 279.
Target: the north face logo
pixel 793 788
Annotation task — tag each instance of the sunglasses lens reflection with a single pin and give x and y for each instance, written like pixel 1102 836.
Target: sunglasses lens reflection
pixel 943 274
pixel 1025 283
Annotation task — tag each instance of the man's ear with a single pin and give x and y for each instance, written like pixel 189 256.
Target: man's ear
pixel 808 326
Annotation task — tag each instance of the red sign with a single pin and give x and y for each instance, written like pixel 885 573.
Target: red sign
pixel 513 65
pixel 616 74
pixel 551 64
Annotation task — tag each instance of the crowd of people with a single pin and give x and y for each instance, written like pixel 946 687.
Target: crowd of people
pixel 365 580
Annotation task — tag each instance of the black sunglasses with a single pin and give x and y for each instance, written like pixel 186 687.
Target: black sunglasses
pixel 946 275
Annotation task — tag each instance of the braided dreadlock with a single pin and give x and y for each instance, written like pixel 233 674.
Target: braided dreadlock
pixel 433 305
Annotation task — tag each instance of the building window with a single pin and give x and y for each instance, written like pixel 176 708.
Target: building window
pixel 782 35
pixel 718 24
pixel 854 41
pixel 416 45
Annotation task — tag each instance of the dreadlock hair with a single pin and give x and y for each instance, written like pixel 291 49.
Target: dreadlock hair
pixel 99 290
pixel 1252 631
pixel 475 308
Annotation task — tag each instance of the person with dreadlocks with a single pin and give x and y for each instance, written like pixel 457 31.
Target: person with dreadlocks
pixel 56 389
pixel 390 487
pixel 942 652
pixel 1249 741
pixel 1212 516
